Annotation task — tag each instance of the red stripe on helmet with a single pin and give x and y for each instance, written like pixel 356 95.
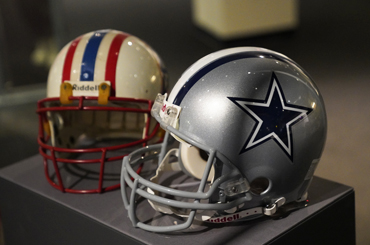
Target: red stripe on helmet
pixel 66 75
pixel 111 66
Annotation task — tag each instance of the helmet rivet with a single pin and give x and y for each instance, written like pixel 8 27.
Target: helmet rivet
pixel 104 87
pixel 221 193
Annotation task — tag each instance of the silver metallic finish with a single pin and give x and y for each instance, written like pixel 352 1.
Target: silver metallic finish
pixel 212 121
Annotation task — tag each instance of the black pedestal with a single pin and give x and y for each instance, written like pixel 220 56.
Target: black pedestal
pixel 33 212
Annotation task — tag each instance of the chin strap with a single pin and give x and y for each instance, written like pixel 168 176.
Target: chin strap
pixel 268 211
pixel 234 216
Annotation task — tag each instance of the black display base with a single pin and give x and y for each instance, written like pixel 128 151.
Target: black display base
pixel 33 212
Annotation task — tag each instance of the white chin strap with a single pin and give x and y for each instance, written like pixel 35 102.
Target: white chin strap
pixel 204 215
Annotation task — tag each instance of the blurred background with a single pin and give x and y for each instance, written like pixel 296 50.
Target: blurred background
pixel 330 39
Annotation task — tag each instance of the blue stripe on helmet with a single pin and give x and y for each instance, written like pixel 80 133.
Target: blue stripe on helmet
pixel 88 60
pixel 216 63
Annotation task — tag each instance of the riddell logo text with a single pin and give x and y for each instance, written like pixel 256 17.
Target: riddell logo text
pixel 85 87
pixel 224 219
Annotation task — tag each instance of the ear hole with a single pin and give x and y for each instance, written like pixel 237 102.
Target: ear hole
pixel 259 185
pixel 203 155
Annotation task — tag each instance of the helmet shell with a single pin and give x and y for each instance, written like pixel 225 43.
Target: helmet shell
pixel 225 99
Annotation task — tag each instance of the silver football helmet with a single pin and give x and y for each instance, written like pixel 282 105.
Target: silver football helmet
pixel 252 127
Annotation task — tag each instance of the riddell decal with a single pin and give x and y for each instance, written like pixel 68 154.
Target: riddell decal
pixel 224 219
pixel 85 87
pixel 235 216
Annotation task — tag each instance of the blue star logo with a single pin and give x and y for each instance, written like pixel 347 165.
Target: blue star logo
pixel 274 118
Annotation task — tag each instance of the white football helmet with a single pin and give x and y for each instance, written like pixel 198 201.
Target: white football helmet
pixel 252 127
pixel 100 91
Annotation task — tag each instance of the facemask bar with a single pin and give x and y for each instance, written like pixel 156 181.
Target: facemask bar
pixel 139 184
pixel 48 152
pixel 232 182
